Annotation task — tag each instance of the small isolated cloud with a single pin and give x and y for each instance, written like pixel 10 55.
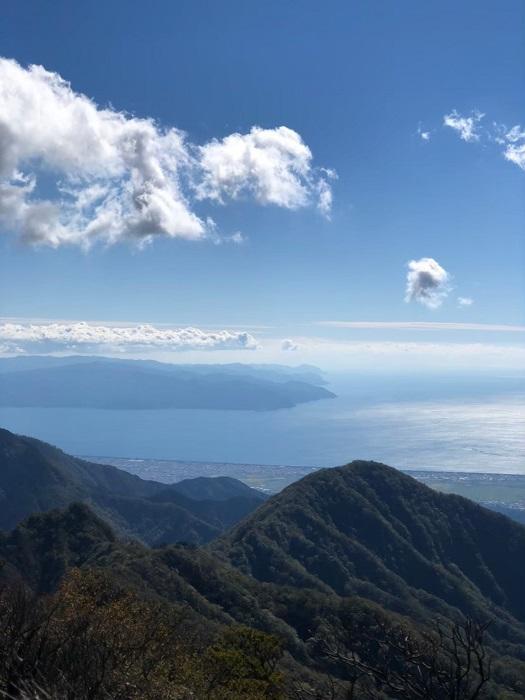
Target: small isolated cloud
pixel 72 172
pixel 466 127
pixel 288 345
pixel 465 301
pixel 272 165
pixel 427 282
pixel 52 337
pixel 423 135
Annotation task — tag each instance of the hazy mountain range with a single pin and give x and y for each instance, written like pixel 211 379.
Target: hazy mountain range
pixel 99 382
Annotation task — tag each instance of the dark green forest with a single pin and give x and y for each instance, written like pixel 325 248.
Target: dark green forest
pixel 355 582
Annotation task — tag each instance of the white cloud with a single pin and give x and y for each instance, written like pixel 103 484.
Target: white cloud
pixel 289 345
pixel 50 337
pixel 109 176
pixel 465 126
pixel 272 165
pixel 516 154
pixel 114 176
pixel 465 301
pixel 427 282
pixel 515 148
pixel 515 134
pixel 513 140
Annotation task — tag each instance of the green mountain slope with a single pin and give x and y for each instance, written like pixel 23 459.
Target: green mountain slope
pixel 36 477
pixel 42 548
pixel 213 593
pixel 335 555
pixel 367 529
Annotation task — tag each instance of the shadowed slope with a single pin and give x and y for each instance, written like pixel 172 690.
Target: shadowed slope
pixel 36 477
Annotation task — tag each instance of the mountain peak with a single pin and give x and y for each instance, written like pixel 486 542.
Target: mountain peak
pixel 367 529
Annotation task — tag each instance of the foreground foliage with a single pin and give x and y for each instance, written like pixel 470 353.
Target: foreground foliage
pixel 92 639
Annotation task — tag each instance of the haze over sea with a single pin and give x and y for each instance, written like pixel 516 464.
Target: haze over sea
pixel 447 422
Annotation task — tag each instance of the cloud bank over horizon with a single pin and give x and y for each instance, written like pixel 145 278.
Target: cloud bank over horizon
pixel 109 176
pixel 19 338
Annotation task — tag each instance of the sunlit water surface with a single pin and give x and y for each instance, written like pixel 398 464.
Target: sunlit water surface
pixel 440 423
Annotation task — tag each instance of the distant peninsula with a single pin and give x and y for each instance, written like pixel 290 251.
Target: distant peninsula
pixel 111 383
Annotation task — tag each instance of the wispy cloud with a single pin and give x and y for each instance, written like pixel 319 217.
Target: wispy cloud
pixel 465 301
pixel 511 139
pixel 86 337
pixel 466 127
pixel 446 354
pixel 515 146
pixel 110 176
pixel 236 238
pixel 423 326
pixel 427 282
pixel 342 354
pixel 423 135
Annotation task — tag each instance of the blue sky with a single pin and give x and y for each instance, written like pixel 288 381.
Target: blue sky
pixel 359 82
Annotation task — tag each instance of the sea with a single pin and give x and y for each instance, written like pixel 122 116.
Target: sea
pixel 441 422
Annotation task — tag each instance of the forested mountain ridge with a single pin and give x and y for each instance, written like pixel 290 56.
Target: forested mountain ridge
pixel 342 567
pixel 367 529
pixel 216 488
pixel 36 477
pixel 212 595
